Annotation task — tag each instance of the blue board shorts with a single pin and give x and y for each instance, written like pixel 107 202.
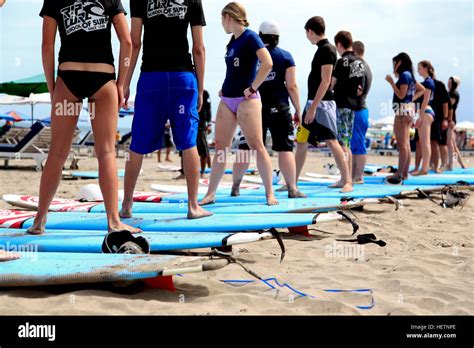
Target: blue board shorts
pixel 359 132
pixel 163 96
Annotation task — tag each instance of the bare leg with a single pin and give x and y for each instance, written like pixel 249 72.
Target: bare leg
pixel 338 153
pixel 191 171
pixel 418 158
pixel 63 125
pixel 249 116
pixel 226 123
pixel 132 171
pixel 435 155
pixel 300 157
pixel 104 126
pixel 287 164
pixel 407 125
pixel 451 149
pixel 168 153
pixel 401 134
pixel 240 166
pixel 425 144
pixel 443 149
pixel 203 165
pixel 456 151
pixel 159 155
pixel 358 166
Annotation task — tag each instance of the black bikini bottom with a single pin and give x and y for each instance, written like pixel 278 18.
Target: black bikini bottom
pixel 84 84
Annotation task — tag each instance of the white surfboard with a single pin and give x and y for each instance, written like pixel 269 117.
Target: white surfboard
pixel 168 168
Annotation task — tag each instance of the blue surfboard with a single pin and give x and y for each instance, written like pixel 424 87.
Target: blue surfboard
pixel 360 191
pixel 37 268
pixel 312 205
pixel 91 241
pixel 431 179
pixel 176 222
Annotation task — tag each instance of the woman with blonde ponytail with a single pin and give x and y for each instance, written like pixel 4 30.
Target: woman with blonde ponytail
pixel 240 101
pixel 423 100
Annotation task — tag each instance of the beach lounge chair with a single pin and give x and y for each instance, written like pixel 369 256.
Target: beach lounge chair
pixel 26 148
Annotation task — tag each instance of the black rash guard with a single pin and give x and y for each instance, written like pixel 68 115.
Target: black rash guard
pixel 84 28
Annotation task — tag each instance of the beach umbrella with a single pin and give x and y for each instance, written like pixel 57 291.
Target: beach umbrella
pixel 25 87
pixel 32 100
pixel 11 116
pixel 465 126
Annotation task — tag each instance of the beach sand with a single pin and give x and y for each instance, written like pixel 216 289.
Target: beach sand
pixel 425 268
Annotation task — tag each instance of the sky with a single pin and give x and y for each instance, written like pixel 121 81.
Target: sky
pixel 439 31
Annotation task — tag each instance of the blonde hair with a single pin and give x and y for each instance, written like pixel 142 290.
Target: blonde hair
pixel 237 12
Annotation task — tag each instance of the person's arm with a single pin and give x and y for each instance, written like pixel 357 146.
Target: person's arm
pixel 199 57
pixel 136 36
pixel 123 34
pixel 401 92
pixel 326 75
pixel 420 92
pixel 2 2
pixel 426 99
pixel 50 27
pixel 333 83
pixel 266 65
pixel 293 91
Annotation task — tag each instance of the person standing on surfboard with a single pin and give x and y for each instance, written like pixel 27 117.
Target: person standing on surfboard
pixel 319 118
pixel 279 87
pixel 453 150
pixel 361 121
pixel 170 87
pixel 240 102
pixel 348 83
pixel 404 91
pixel 86 70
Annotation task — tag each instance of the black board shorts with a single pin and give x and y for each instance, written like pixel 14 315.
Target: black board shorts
pixel 279 121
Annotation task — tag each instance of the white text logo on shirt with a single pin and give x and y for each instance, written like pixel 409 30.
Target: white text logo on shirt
pixel 88 16
pixel 167 8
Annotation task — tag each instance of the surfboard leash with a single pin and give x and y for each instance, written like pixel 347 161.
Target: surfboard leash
pixel 354 224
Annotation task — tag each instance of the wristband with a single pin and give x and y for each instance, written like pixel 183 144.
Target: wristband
pixel 252 90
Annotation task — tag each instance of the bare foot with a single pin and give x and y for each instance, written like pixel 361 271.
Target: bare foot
pixel 168 160
pixel 198 213
pixel 394 176
pixel 438 171
pixel 124 227
pixel 358 181
pixel 296 194
pixel 338 184
pixel 7 256
pixel 413 171
pixel 235 192
pixel 420 172
pixel 284 188
pixel 126 212
pixel 37 228
pixel 271 200
pixel 347 188
pixel 211 199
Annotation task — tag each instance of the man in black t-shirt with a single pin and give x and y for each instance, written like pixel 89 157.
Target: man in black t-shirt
pixel 171 86
pixel 361 120
pixel 348 82
pixel 441 104
pixel 319 117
